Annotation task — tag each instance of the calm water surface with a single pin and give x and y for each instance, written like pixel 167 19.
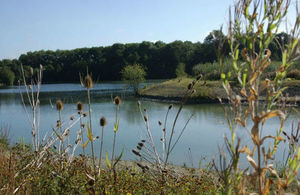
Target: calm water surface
pixel 201 139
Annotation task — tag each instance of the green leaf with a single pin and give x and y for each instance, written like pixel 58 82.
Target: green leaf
pixel 116 126
pixel 107 160
pixel 236 57
pixel 279 92
pixel 86 143
pixel 90 135
pixel 119 158
pixel 284 58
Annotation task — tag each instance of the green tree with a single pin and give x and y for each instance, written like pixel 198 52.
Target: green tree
pixel 134 75
pixel 7 76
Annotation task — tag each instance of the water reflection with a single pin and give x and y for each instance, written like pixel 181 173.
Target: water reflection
pixel 203 134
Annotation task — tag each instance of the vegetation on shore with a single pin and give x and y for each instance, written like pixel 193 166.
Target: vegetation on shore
pixel 205 92
pixel 51 165
pixel 160 60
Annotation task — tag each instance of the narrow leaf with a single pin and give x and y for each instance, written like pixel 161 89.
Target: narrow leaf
pixel 90 135
pixel 107 160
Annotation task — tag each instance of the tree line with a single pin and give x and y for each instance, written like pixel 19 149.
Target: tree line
pixel 160 60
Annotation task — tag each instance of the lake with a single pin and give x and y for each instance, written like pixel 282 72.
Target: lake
pixel 203 134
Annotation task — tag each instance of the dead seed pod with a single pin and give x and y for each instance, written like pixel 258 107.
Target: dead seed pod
pixel 199 77
pixel 159 123
pixel 170 106
pixel 140 144
pixel 139 147
pixel 79 107
pixel 72 118
pixel 145 118
pixel 190 86
pixel 85 114
pixel 140 165
pixel 136 153
pixel 117 100
pixel 102 121
pixel 88 82
pixel 59 105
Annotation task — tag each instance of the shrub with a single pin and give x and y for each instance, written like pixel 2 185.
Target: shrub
pixel 134 75
pixel 180 70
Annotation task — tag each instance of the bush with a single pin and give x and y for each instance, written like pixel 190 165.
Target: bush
pixel 180 70
pixel 134 74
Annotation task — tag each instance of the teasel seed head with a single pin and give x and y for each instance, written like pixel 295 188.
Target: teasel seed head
pixel 58 123
pixel 190 86
pixel 140 165
pixel 136 153
pixel 59 105
pixel 117 100
pixel 199 77
pixel 88 82
pixel 102 121
pixel 79 107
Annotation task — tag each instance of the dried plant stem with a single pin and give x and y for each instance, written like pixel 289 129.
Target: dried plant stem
pixel 61 147
pixel 33 99
pixel 173 127
pixel 115 134
pixel 92 141
pixel 81 131
pixel 150 136
pixel 100 155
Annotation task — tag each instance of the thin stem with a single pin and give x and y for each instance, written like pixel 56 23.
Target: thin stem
pixel 115 134
pixel 100 155
pixel 164 134
pixel 92 141
pixel 81 131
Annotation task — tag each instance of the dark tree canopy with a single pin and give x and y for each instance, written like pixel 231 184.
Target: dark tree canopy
pixel 160 60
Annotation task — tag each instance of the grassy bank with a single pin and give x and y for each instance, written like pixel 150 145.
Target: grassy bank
pixel 206 91
pixel 60 177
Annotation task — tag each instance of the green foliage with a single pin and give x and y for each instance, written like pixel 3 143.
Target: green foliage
pixel 134 75
pixel 7 76
pixel 180 70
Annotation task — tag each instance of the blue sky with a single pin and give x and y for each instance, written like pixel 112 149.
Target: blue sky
pixel 30 25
